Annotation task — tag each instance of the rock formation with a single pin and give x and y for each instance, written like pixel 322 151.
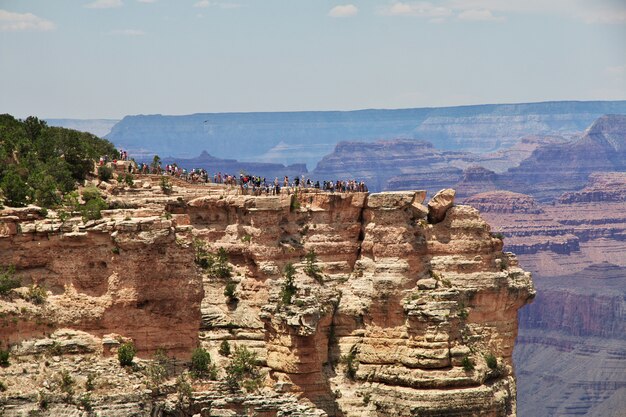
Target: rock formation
pixel 305 137
pixel 386 314
pixel 572 336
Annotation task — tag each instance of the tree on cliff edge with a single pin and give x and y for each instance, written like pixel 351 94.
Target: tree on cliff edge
pixel 40 164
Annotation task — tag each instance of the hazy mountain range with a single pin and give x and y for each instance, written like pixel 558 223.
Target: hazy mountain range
pixel 305 137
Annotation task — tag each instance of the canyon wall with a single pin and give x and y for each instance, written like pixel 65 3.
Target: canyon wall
pixel 572 336
pixel 402 309
pixel 305 137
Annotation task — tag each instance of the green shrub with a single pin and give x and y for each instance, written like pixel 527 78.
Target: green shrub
pixel 467 363
pixel 492 361
pixel 129 180
pixel 4 358
pixel 36 295
pixel 243 370
pixel 224 348
pixel 8 281
pixel 105 173
pixel 229 291
pixel 504 263
pixel 246 239
pixel 216 265
pixel 126 353
pixel 91 193
pixel 93 204
pixel 84 401
pixel 201 365
pixel 156 374
pixel 289 288
pixel 3 386
pixel 55 349
pixel 43 400
pixel 351 363
pixel 295 202
pixel 184 391
pixel 15 190
pixel 90 383
pixel 66 383
pixel 92 209
pixel 166 185
pixel 311 268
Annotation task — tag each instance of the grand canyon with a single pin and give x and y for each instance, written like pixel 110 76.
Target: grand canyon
pixel 410 303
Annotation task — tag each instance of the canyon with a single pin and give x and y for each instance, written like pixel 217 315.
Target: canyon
pixel 557 196
pixel 560 205
pixel 306 137
pixel 403 308
pixel 572 336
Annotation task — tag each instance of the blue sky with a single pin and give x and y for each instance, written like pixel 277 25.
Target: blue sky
pixel 110 58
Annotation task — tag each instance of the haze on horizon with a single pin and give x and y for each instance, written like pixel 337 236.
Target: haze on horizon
pixel 110 58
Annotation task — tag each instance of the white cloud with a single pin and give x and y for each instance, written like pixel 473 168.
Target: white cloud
pixel 104 4
pixel 345 10
pixel 588 11
pixel 419 9
pixel 221 5
pixel 10 21
pixel 483 15
pixel 147 1
pixel 127 32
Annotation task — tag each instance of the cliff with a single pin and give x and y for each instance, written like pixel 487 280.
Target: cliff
pixel 402 309
pixel 572 336
pixel 305 137
pixel 542 166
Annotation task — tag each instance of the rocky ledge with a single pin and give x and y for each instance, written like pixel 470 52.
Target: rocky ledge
pixel 354 304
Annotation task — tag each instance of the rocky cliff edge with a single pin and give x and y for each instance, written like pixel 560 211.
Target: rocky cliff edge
pixel 394 308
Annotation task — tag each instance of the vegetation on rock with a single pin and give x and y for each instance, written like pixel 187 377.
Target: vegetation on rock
pixel 216 265
pixel 8 281
pixel 224 348
pixel 311 268
pixel 36 295
pixel 467 363
pixel 40 164
pixel 243 370
pixel 184 392
pixel 351 363
pixel 201 364
pixel 4 358
pixel 289 288
pixel 126 354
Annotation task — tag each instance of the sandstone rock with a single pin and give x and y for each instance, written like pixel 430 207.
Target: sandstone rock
pixel 439 204
pixel 386 309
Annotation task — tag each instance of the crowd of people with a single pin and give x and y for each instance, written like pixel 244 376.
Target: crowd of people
pixel 248 184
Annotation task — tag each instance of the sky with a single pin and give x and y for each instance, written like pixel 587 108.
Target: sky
pixel 91 59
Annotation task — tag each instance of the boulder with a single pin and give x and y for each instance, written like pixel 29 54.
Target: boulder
pixel 439 205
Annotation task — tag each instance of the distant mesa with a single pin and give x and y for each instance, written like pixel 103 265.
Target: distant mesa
pixel 504 202
pixel 288 137
pixel 233 167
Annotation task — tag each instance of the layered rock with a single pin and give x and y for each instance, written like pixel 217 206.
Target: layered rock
pixel 391 315
pixel 380 163
pixel 305 137
pixel 571 337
